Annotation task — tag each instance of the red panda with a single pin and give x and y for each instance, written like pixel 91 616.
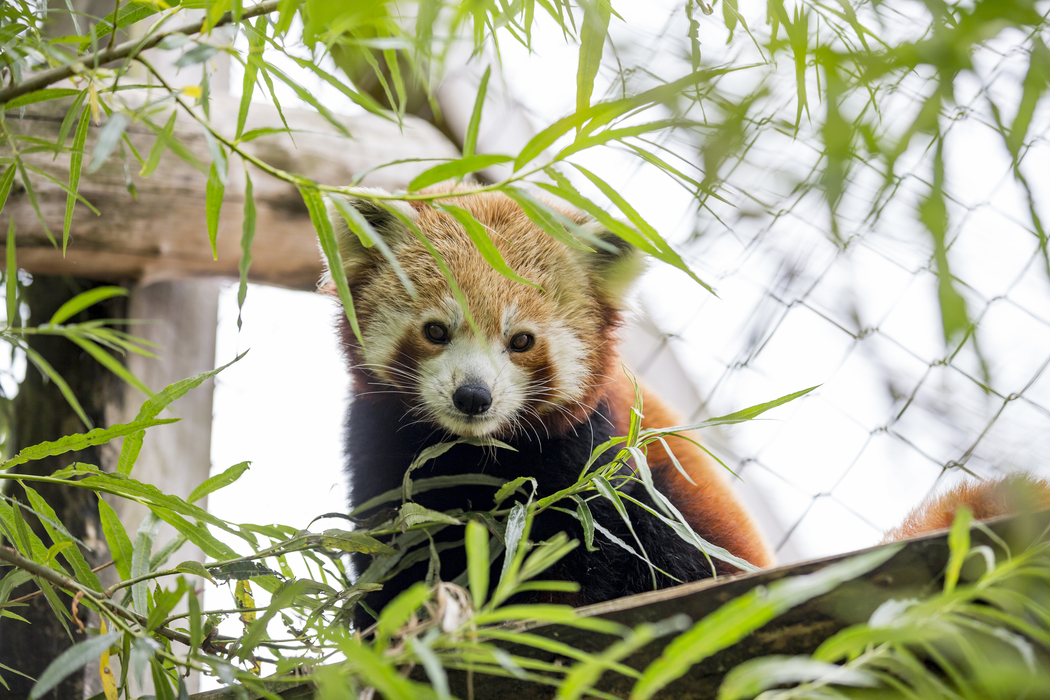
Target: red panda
pixel 546 378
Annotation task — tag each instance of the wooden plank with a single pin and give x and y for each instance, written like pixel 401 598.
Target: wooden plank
pixel 162 235
pixel 914 572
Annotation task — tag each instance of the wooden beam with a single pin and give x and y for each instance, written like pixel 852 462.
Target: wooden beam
pixel 914 572
pixel 162 235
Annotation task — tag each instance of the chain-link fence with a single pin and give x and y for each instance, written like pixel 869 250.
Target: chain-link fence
pixel 900 412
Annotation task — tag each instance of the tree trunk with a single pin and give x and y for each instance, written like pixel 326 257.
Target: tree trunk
pixel 42 413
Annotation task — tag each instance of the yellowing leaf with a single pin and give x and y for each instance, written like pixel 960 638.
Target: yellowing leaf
pixel 245 601
pixel 109 681
pixel 193 91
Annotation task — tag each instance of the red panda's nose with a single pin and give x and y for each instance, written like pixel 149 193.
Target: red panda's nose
pixel 472 399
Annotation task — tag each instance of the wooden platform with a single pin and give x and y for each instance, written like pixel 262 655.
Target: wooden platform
pixel 914 572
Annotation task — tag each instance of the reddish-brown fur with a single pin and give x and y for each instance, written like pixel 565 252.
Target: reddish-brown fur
pixel 986 499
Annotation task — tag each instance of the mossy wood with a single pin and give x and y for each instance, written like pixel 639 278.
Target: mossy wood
pixel 915 572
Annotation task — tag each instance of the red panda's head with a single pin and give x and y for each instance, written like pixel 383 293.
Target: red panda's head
pixel 545 356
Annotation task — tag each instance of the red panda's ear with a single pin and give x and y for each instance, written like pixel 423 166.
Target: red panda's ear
pixel 614 266
pixel 381 216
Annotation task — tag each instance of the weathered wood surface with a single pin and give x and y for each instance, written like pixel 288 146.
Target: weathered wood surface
pixel 914 572
pixel 162 235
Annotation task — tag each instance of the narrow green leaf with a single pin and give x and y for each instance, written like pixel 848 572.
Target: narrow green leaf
pixel 251 73
pixel 330 247
pixel 218 481
pixel 432 665
pixel 664 252
pixel 740 416
pixel 140 556
pixel 213 204
pixel 33 202
pixel 120 547
pixel 60 535
pixel 6 180
pixel 369 237
pixel 109 362
pixel 583 511
pixel 593 33
pixel 247 238
pixel 40 96
pixel 423 485
pixel 80 441
pixel 256 632
pixel 70 661
pixel 47 370
pixel 67 121
pixel 958 547
pixel 543 140
pixel 76 160
pixel 11 282
pixel 84 300
pixel 152 407
pixel 470 139
pixel 555 224
pixel 159 145
pixel 398 611
pixel 480 236
pixel 108 138
pixel 757 675
pixel 741 616
pixel 512 538
pixel 455 169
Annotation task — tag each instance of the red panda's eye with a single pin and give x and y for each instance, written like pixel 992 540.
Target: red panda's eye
pixel 436 333
pixel 521 342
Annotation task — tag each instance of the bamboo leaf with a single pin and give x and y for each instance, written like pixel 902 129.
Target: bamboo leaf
pixel 555 224
pixel 31 196
pixel 369 237
pixel 76 160
pixel 71 660
pixel 958 547
pixel 44 95
pixel 218 481
pixel 480 236
pixel 757 675
pixel 330 247
pixel 48 371
pixel 140 556
pixel 11 281
pixel 470 139
pixel 85 300
pixel 455 170
pixel 80 441
pixel 165 136
pixel 109 362
pixel 741 616
pixel 477 545
pixel 593 33
pixel 213 205
pixel 740 416
pixel 251 73
pixel 247 238
pixel 120 547
pixel 152 407
pixel 108 139
pixel 60 535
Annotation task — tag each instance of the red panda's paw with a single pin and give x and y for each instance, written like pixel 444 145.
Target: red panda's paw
pixel 1017 493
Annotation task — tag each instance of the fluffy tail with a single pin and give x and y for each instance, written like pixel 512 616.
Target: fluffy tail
pixel 1017 493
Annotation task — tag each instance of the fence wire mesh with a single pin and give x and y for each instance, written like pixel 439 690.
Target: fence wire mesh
pixel 900 412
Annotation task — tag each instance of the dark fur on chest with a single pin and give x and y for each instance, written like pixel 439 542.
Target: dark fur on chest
pixel 382 441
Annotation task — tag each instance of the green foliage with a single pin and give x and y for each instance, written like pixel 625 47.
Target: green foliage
pixel 844 65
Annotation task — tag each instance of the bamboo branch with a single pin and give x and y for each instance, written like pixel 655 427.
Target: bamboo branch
pixel 48 77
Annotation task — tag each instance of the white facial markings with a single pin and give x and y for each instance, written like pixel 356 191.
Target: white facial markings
pixel 381 338
pixel 568 356
pixel 465 360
